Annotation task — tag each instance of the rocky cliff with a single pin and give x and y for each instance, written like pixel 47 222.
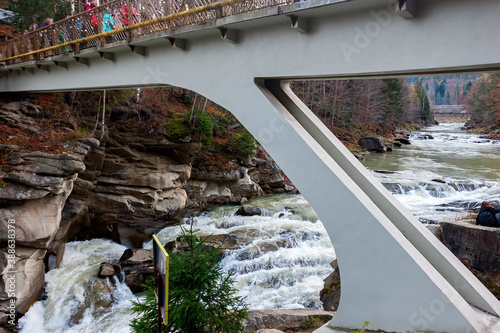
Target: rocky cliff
pixel 121 183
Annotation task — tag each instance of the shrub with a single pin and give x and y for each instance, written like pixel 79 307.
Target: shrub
pixel 241 145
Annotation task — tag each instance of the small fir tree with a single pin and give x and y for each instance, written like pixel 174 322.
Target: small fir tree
pixel 147 321
pixel 201 294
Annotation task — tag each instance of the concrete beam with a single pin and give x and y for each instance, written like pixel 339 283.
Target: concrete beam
pixel 61 64
pixel 140 50
pixel 107 55
pixel 407 9
pixel 45 68
pixel 301 25
pixel 178 43
pixel 229 34
pixel 82 61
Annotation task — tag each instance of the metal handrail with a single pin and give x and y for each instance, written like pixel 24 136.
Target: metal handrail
pixel 152 16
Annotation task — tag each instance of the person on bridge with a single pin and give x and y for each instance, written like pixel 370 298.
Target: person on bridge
pixel 488 215
pixel 124 13
pixel 93 19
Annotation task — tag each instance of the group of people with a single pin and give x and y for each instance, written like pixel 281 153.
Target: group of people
pixel 488 215
pixel 108 23
pixel 48 21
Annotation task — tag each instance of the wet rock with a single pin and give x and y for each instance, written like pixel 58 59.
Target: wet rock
pixel 98 299
pixel 137 266
pixel 106 270
pixel 29 278
pixel 396 188
pixel 404 141
pixel 268 246
pixel 462 185
pixel 386 172
pixel 437 191
pixel 248 210
pixel 372 144
pixel 136 257
pixel 249 253
pixel 330 294
pixel 285 320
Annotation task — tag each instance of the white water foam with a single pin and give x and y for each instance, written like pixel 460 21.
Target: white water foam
pixel 66 287
pixel 287 255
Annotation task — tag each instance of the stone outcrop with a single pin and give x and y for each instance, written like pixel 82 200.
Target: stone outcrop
pixel 286 320
pixel 478 247
pixel 134 184
pixel 33 193
pixel 137 266
pixel 256 177
pixel 372 144
pixel 330 294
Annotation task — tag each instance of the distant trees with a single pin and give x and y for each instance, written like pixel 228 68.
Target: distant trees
pixel 366 105
pixel 422 100
pixel 450 89
pixel 483 101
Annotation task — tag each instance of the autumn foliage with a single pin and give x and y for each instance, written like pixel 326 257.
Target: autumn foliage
pixel 484 103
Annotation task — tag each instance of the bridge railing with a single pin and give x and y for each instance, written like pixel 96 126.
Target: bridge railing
pixel 130 18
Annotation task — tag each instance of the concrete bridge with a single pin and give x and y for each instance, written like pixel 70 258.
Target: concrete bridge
pixel 450 111
pixel 395 274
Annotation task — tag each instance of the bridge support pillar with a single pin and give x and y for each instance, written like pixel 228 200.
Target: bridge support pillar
pixel 395 274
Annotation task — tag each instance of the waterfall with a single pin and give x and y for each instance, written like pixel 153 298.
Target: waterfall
pixel 66 287
pixel 283 257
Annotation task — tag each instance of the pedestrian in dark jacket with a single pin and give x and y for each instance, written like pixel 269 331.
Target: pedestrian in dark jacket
pixel 487 216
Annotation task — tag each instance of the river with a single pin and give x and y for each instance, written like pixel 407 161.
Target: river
pixel 443 178
pixel 289 254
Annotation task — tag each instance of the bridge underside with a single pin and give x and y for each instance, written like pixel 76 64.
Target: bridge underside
pixel 395 274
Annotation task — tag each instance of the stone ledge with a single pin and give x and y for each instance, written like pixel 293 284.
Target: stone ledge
pixel 477 246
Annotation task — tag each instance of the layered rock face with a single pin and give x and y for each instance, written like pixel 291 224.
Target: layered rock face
pixel 134 185
pixel 33 191
pixel 237 185
pixel 122 184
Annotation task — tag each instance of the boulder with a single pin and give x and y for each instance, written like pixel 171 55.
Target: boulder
pixel 137 265
pixel 106 270
pixel 330 294
pixel 404 141
pixel 248 210
pixel 98 298
pixel 286 320
pixel 133 257
pixel 372 144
